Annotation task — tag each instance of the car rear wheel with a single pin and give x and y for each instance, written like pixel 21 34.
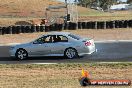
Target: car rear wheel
pixel 70 53
pixel 21 54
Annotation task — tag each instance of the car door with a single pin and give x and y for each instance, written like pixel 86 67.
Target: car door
pixel 59 44
pixel 42 46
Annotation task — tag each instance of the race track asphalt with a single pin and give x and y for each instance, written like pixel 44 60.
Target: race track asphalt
pixel 113 51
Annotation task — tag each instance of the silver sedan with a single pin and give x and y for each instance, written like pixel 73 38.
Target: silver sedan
pixel 54 44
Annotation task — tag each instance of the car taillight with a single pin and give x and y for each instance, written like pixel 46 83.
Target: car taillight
pixel 88 43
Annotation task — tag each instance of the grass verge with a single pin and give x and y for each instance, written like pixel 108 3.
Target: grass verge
pixel 60 75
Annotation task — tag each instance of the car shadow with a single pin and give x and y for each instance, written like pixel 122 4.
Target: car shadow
pixel 52 58
pixel 46 58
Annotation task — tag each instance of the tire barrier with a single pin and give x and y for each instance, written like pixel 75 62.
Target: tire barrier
pixel 109 24
pixel 125 24
pixel 3 30
pixel 47 28
pixel 93 25
pixel 73 26
pixel 23 29
pixel 100 25
pixel 0 30
pixel 37 28
pixel 79 25
pixel 7 30
pixel 56 27
pixel 117 24
pixel 90 25
pixel 84 25
pixel 52 27
pixel 10 30
pixel 130 23
pixel 70 26
pixel 42 28
pixel 18 29
pixel 120 24
pixel 65 26
pixel 28 29
pixel 60 26
pixel 33 28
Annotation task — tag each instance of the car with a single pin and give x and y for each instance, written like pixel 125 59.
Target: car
pixel 54 44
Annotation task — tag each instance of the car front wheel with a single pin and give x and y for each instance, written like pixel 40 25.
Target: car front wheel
pixel 21 54
pixel 70 53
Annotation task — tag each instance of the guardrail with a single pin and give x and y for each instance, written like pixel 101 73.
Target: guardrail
pixel 68 26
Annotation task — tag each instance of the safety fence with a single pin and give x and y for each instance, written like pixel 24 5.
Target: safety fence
pixel 66 26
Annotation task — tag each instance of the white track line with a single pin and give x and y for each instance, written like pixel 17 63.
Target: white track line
pixel 7 44
pixel 111 62
pixel 111 41
pixel 44 63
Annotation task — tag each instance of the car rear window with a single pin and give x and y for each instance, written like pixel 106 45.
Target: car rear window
pixel 74 36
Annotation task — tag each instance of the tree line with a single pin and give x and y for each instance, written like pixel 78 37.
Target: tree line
pixel 104 4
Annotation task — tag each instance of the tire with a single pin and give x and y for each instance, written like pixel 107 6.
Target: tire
pixel 70 53
pixel 21 54
pixel 84 81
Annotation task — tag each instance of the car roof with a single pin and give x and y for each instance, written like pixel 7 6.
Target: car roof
pixel 59 33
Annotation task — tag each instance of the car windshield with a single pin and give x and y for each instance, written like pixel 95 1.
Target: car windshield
pixel 74 36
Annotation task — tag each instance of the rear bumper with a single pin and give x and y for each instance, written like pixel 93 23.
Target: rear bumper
pixel 89 51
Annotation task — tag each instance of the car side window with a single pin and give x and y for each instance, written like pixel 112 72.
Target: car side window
pixel 45 39
pixel 62 38
pixel 39 41
pixel 48 39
